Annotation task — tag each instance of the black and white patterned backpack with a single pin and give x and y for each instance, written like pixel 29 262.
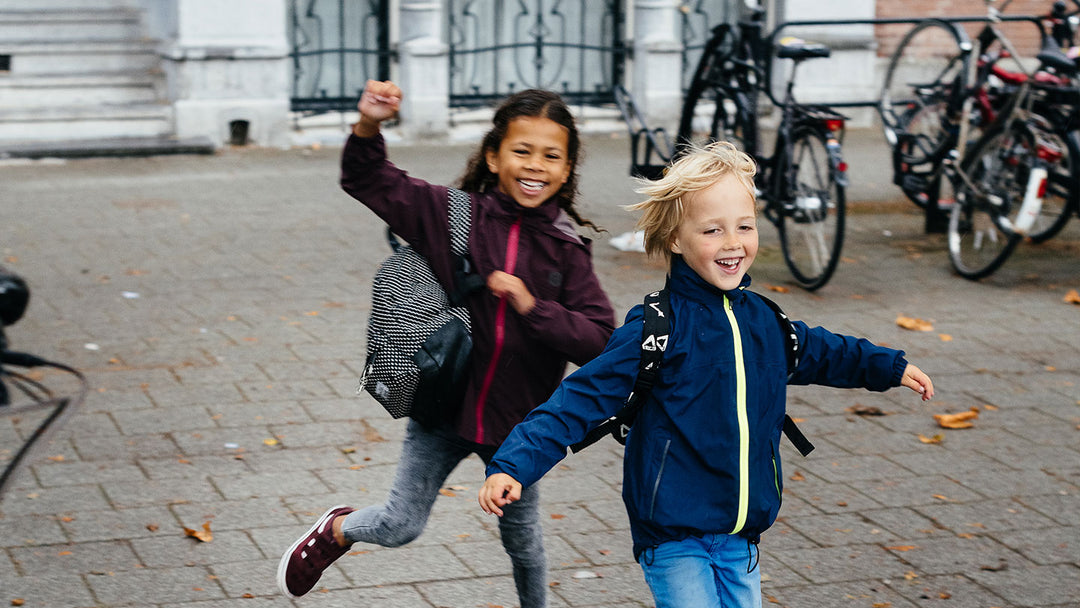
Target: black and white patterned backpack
pixel 419 337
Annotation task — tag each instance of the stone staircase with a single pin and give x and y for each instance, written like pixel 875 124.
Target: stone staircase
pixel 79 75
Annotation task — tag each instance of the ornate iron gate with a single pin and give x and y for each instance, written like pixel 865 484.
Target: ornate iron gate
pixel 337 45
pixel 500 46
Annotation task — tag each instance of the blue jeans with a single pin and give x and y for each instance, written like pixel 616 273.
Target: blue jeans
pixel 706 572
pixel 427 458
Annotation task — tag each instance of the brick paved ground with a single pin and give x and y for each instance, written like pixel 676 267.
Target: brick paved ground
pixel 227 298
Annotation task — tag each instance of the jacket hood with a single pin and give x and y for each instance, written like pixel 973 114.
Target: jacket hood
pixel 683 279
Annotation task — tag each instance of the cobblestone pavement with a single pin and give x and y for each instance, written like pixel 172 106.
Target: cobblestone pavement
pixel 218 304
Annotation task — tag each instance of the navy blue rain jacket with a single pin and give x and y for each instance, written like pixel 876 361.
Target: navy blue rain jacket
pixel 703 455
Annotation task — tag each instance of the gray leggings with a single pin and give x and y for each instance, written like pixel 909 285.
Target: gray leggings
pixel 427 459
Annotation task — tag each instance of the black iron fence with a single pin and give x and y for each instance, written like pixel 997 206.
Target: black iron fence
pixel 337 45
pixel 497 47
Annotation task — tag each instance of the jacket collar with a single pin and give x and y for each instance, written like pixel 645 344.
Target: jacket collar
pixel 684 281
pixel 548 217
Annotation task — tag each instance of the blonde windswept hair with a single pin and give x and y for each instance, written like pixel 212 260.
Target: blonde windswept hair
pixel 697 169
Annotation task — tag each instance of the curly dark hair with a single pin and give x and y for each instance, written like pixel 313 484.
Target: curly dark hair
pixel 533 103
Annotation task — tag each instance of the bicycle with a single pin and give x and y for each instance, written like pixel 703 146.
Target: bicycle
pixel 1003 141
pixel 802 183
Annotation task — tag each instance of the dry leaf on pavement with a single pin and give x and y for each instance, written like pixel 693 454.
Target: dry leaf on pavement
pixel 204 535
pixel 957 421
pixel 1072 297
pixel 914 324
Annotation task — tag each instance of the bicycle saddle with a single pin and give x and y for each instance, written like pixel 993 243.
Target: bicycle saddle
pixel 796 48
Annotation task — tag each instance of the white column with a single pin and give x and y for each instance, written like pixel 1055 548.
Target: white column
pixel 424 70
pixel 227 64
pixel 657 70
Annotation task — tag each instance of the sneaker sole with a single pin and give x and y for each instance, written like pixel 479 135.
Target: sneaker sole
pixel 284 563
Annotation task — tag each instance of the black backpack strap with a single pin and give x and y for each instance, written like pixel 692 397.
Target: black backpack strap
pixel 791 339
pixel 654 337
pixel 791 350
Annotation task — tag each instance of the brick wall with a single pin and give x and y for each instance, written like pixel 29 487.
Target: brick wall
pixel 1024 35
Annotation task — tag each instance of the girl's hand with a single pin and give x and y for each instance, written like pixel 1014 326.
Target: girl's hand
pixel 505 285
pixel 379 101
pixel 499 490
pixel 916 380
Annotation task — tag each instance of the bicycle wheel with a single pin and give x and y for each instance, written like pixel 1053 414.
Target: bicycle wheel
pixel 979 234
pixel 714 108
pixel 927 69
pixel 812 218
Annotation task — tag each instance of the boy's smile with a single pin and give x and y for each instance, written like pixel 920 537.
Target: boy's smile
pixel 532 161
pixel 718 236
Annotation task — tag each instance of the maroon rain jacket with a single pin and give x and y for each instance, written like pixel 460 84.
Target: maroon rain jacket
pixel 518 361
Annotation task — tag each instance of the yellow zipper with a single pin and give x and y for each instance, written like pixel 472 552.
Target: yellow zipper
pixel 744 424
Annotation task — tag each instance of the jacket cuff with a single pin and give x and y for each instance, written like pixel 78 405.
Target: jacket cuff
pixel 899 365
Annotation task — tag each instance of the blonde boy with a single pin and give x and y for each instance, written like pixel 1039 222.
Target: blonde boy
pixel 702 475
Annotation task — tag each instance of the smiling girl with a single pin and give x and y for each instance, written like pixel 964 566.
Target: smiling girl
pixel 543 307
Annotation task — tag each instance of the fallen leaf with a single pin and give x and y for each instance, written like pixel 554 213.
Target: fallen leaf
pixel 797 476
pixel 944 595
pixel 57 458
pixel 938 438
pixel 942 497
pixel 204 535
pixel 1072 297
pixel 18 601
pixel 866 410
pixel 961 420
pixel 777 288
pixel 914 324
pixel 901 548
pixel 1050 368
pixel 557 516
pixel 910 575
pixel 945 337
pixel 64 553
pixel 446 492
pixel 459 488
pixel 348 450
pixel 992 408
pixel 605 551
pixel 152 527
pixel 247 596
pixel 270 441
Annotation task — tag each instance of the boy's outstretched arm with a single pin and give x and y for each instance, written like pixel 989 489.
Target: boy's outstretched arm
pixel 916 380
pixel 499 490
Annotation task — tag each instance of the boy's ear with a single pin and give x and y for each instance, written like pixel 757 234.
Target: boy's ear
pixel 674 245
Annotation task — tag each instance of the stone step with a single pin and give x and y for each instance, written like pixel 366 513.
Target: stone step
pixel 85 122
pixel 79 57
pixel 61 24
pixel 106 88
pixel 119 146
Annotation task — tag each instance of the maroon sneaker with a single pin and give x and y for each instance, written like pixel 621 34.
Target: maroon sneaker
pixel 303 564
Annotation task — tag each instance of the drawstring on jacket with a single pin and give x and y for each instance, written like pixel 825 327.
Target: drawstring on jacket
pixel 753 557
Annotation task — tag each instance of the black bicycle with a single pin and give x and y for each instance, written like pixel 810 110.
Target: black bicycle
pixel 802 183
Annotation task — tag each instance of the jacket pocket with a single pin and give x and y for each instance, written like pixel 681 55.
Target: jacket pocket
pixel 659 477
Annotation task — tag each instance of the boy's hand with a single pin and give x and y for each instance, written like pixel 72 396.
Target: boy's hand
pixel 505 285
pixel 916 380
pixel 499 490
pixel 379 101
